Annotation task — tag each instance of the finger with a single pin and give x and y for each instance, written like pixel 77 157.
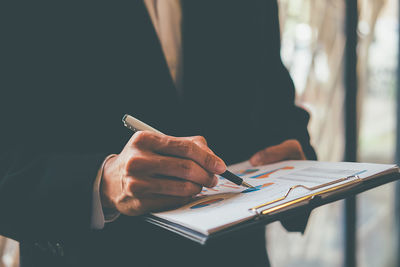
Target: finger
pixel 196 151
pixel 295 150
pixel 180 147
pixel 136 187
pixel 154 164
pixel 268 155
pixel 202 142
pixel 139 206
pixel 287 150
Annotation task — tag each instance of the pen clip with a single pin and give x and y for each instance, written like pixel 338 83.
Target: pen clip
pixel 258 211
pixel 130 127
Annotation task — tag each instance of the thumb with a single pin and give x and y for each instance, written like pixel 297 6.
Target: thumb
pixel 268 155
pixel 289 149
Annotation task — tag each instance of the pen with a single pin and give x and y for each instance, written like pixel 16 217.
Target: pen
pixel 137 125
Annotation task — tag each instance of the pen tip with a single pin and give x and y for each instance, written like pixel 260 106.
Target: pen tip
pixel 247 185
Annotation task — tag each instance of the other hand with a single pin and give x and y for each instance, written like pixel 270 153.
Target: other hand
pixel 288 150
pixel 155 172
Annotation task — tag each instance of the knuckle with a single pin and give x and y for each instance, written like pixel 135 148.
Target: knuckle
pixel 200 139
pixel 187 168
pixel 136 163
pixel 186 148
pixel 171 142
pixel 209 161
pixel 140 138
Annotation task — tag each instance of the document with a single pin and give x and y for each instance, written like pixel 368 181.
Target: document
pixel 277 187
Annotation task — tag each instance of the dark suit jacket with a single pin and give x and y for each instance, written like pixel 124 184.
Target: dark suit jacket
pixel 71 69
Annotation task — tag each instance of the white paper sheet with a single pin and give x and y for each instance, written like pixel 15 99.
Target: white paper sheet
pixel 227 204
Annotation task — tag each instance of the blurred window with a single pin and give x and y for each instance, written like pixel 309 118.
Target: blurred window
pixel 313 44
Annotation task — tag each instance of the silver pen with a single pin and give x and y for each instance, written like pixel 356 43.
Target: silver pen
pixel 136 125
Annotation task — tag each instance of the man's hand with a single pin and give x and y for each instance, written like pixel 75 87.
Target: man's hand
pixel 287 150
pixel 155 172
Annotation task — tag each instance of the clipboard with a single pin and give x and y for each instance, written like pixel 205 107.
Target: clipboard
pixel 278 209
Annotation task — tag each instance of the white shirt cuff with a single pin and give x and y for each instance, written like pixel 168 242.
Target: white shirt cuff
pixel 100 217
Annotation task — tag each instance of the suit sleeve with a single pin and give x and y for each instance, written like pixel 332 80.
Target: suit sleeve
pixel 45 185
pixel 45 195
pixel 46 173
pixel 289 121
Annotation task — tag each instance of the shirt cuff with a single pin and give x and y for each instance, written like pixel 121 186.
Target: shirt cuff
pixel 100 217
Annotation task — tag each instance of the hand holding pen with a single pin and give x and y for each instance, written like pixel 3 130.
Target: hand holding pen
pixel 156 171
pixel 136 125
